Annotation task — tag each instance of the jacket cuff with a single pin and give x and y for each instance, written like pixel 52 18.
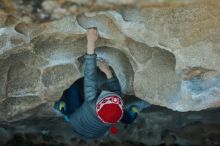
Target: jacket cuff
pixel 112 79
pixel 90 55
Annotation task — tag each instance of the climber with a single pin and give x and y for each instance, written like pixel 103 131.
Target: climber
pixel 93 104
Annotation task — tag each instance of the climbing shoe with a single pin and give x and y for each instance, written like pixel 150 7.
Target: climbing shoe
pixel 60 106
pixel 138 106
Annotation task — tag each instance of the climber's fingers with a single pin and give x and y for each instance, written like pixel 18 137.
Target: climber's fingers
pixel 93 28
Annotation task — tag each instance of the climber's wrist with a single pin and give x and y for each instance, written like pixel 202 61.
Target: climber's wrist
pixel 92 37
pixel 90 48
pixel 109 75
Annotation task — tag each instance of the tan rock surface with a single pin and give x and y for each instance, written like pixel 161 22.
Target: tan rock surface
pixel 167 56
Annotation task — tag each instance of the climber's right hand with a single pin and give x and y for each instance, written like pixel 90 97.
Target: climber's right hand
pixel 92 37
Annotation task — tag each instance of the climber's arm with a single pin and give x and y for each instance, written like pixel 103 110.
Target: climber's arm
pixel 112 82
pixel 90 87
pixel 113 85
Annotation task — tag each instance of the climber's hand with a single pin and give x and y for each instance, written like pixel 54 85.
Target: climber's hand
pixel 92 37
pixel 104 67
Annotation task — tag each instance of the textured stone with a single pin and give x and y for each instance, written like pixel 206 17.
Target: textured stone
pixel 57 78
pixel 5 136
pixel 158 80
pixel 16 105
pixel 11 20
pixel 166 52
pixel 141 52
pixel 23 28
pixel 2 42
pixel 73 46
pixel 3 81
pixel 22 80
pixel 59 75
pixel 167 57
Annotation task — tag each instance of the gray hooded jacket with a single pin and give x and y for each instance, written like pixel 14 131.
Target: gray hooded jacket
pixel 84 120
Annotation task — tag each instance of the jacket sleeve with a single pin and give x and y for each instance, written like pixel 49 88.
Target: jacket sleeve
pixel 90 85
pixel 113 85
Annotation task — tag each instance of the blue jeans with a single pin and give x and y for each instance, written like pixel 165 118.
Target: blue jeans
pixel 73 96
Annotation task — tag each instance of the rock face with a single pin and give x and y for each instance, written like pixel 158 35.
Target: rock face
pixel 168 57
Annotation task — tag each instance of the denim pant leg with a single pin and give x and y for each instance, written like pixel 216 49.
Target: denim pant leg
pixel 73 96
pixel 128 117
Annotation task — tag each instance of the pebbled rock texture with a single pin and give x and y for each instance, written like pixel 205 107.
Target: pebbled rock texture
pixel 167 56
pixel 166 52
